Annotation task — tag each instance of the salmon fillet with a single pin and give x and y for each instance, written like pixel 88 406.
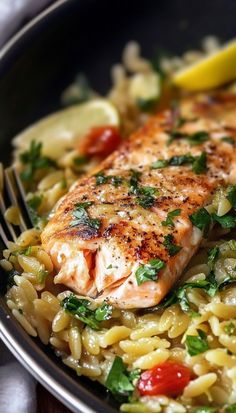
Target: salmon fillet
pixel 113 223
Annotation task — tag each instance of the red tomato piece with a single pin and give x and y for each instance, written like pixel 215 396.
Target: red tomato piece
pixel 101 141
pixel 167 378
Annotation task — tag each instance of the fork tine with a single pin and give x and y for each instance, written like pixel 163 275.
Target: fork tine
pixel 22 199
pixel 6 228
pixel 16 197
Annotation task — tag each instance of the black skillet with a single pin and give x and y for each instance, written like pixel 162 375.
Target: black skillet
pixel 87 36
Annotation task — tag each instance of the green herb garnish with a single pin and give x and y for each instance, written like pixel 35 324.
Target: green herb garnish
pixel 229 140
pixel 33 205
pixel 146 198
pixel 134 182
pixel 161 163
pixel 213 254
pixel 197 344
pixel 149 272
pixel 118 380
pixel 231 195
pixel 169 219
pixel 227 221
pixel 200 163
pixel 172 248
pixel 80 161
pixel 33 160
pixel 230 408
pixel 230 328
pixel 198 137
pixel 82 218
pixel 181 160
pixel 201 219
pixel 80 309
pixel 101 178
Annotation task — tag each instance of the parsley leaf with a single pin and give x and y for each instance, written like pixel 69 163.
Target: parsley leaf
pixel 118 380
pixel 80 161
pixel 80 309
pixel 149 272
pixel 229 140
pixel 104 312
pixel 172 248
pixel 134 182
pixel 200 163
pixel 213 254
pixel 226 221
pixel 169 219
pixel 146 198
pixel 101 178
pixel 82 218
pixel 197 344
pixel 179 295
pixel 230 408
pixel 230 328
pixel 33 205
pixel 181 160
pixel 231 196
pixel 201 219
pixel 161 163
pixel 198 138
pixel 34 160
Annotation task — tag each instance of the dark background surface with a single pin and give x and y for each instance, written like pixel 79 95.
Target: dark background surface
pixel 88 36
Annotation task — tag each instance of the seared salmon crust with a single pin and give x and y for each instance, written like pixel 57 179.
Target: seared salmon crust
pixel 117 220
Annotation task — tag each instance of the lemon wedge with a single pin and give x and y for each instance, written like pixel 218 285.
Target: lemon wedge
pixel 63 129
pixel 210 72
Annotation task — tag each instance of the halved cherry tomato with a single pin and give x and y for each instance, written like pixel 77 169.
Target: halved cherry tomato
pixel 167 378
pixel 100 141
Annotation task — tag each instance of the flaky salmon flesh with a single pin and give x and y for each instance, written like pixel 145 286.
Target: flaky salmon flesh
pixel 124 234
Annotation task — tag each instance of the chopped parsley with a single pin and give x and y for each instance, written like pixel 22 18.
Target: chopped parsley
pixel 103 179
pixel 201 219
pixel 229 140
pixel 33 205
pixel 146 198
pixel 149 272
pixel 179 295
pixel 226 221
pixel 33 160
pixel 181 160
pixel 198 137
pixel 80 161
pixel 213 254
pixel 119 381
pixel 41 276
pixel 230 408
pixel 169 219
pixel 82 218
pixel 160 163
pixel 134 182
pixel 171 247
pixel 230 328
pixel 197 344
pixel 200 163
pixel 231 195
pixel 116 181
pixel 80 309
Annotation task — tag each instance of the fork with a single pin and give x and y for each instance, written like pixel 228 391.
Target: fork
pixel 12 193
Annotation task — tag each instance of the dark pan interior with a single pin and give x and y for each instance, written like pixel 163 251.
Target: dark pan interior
pixel 88 36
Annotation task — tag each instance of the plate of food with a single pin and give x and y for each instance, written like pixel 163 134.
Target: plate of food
pixel 118 200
